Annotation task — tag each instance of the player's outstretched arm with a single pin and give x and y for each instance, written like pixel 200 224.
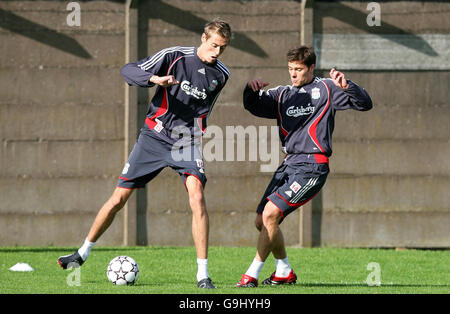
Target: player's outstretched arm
pixel 348 95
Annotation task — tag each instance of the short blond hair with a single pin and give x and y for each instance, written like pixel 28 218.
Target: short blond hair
pixel 218 26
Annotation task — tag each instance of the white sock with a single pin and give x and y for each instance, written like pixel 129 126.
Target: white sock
pixel 283 267
pixel 202 270
pixel 255 269
pixel 85 249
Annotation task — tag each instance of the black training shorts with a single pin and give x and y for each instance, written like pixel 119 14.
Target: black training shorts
pixel 151 155
pixel 294 185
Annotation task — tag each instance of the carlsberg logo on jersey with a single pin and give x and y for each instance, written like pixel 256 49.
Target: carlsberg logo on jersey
pixel 294 111
pixel 192 91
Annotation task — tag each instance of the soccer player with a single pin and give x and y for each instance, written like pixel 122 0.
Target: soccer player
pixel 305 114
pixel 188 80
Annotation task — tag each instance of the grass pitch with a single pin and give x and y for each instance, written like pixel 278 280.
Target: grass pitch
pixel 172 270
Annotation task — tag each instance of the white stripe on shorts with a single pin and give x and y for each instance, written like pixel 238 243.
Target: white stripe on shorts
pixel 305 189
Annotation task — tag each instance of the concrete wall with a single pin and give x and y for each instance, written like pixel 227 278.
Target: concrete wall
pixel 62 124
pixel 61 119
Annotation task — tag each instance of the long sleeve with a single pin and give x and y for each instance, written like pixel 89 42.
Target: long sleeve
pixel 135 76
pixel 138 73
pixel 355 97
pixel 262 104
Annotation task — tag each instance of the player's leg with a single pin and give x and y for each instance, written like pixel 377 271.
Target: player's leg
pixel 107 213
pixel 250 277
pixel 270 232
pixel 292 187
pixel 304 182
pixel 278 247
pixel 270 239
pixel 144 163
pixel 102 221
pixel 283 267
pixel 200 229
pixel 192 173
pixel 200 219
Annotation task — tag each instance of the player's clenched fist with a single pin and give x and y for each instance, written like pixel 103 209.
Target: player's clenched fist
pixel 338 78
pixel 164 81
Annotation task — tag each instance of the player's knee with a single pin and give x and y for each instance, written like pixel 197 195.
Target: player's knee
pixel 117 201
pixel 271 214
pixel 195 191
pixel 196 197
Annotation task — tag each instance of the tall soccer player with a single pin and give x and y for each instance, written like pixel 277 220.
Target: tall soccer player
pixel 188 80
pixel 305 114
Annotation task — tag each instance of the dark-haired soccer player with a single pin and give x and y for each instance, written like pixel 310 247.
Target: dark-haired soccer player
pixel 188 80
pixel 305 114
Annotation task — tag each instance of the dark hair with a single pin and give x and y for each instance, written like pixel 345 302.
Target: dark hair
pixel 302 54
pixel 218 26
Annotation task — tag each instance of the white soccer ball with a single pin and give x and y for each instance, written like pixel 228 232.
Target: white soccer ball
pixel 122 270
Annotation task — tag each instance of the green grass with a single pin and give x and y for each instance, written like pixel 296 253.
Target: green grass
pixel 171 270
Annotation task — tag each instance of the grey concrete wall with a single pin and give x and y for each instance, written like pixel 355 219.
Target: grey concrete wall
pixel 62 124
pixel 61 120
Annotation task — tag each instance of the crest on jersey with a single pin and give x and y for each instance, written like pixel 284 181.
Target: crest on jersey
pixel 213 85
pixel 315 93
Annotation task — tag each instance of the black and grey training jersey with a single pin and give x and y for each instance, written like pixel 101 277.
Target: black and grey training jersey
pixel 178 111
pixel 305 115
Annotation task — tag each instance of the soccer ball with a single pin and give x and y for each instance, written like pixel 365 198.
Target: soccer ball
pixel 122 270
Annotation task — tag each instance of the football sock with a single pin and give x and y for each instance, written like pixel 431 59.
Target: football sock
pixel 283 267
pixel 85 249
pixel 202 270
pixel 255 269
